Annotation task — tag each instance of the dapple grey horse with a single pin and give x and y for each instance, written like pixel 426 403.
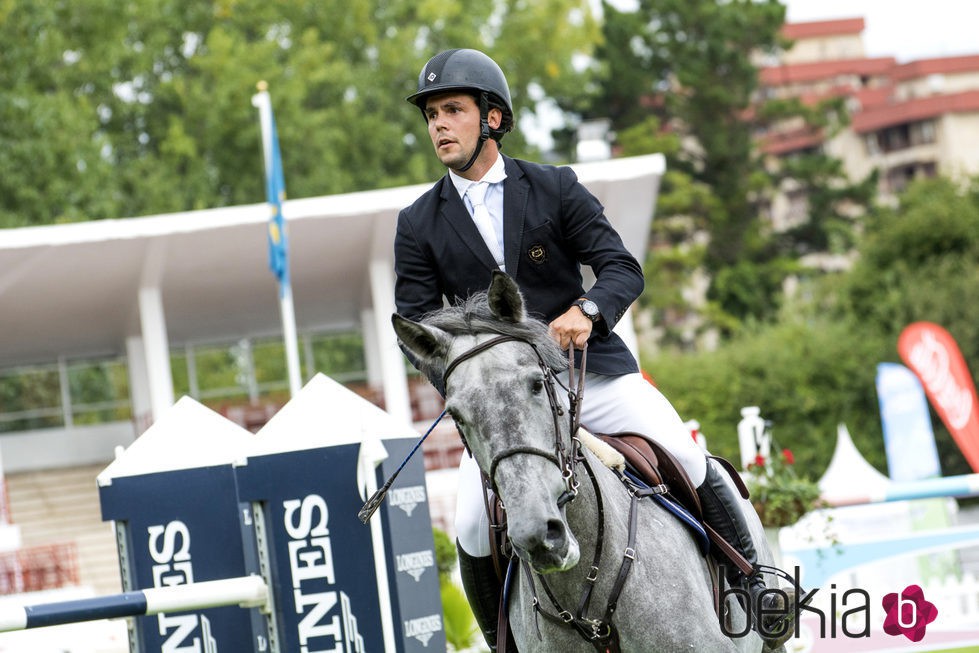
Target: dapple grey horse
pixel 498 368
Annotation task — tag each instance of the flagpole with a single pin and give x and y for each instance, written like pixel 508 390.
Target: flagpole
pixel 277 232
pixel 290 338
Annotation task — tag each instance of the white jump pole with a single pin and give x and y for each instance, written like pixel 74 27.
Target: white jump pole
pixel 965 485
pixel 246 592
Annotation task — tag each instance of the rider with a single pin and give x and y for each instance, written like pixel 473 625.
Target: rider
pixel 539 225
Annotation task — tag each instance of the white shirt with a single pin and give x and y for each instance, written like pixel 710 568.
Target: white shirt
pixel 493 202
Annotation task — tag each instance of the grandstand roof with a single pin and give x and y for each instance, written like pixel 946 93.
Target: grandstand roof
pixel 73 290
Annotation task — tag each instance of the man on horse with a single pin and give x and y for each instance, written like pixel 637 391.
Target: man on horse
pixel 538 224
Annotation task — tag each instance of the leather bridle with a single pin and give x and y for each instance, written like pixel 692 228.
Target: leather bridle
pixel 563 457
pixel 600 632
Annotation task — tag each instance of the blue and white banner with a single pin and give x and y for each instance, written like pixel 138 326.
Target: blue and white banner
pixel 908 437
pixel 320 556
pixel 181 527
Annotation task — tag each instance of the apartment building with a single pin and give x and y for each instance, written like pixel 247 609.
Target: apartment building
pixel 907 120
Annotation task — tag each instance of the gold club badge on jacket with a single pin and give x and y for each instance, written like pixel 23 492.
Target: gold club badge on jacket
pixel 537 253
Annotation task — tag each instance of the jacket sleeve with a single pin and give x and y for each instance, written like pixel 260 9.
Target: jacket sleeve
pixel 618 275
pixel 417 289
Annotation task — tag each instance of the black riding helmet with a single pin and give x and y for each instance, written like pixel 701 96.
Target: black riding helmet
pixel 473 72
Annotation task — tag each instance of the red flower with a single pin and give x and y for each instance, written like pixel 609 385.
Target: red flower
pixel 788 456
pixel 760 460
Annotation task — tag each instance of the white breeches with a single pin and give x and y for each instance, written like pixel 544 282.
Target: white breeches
pixel 611 404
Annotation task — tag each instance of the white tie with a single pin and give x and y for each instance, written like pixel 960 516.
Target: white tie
pixel 484 221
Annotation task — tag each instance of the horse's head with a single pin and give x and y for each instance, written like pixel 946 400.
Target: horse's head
pixel 496 366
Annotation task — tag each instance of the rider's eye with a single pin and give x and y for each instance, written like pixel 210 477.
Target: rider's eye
pixel 537 386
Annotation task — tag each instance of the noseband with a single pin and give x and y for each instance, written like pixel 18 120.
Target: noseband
pixel 563 458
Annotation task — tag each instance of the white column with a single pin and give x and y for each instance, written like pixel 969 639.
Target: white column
pixel 157 349
pixel 754 439
pixel 372 356
pixel 394 377
pixel 139 384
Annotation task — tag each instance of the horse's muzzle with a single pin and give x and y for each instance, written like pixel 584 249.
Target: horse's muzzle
pixel 549 548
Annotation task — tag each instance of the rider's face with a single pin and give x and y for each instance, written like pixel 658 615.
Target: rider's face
pixel 453 126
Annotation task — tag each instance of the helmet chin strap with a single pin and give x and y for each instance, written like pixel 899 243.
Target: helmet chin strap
pixel 484 131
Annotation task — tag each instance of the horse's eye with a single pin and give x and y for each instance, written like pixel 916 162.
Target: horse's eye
pixel 537 386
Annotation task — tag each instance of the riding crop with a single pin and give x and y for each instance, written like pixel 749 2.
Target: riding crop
pixel 375 501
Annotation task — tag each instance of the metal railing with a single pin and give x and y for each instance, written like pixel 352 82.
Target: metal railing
pixel 36 568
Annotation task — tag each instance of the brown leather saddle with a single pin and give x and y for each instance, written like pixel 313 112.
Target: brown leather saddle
pixel 655 465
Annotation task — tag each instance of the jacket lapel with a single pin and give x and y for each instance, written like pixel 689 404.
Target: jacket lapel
pixel 515 194
pixel 456 216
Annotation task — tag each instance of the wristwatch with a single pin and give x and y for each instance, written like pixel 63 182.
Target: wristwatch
pixel 589 308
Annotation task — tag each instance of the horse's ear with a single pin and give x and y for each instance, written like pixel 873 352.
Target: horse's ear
pixel 505 300
pixel 427 343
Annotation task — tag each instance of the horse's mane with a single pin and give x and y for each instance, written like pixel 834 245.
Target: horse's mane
pixel 473 317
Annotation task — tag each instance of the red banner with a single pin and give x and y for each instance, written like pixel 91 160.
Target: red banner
pixel 932 353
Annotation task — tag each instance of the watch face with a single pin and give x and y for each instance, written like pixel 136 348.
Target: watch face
pixel 589 308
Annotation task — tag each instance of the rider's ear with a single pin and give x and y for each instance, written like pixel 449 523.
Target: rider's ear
pixel 505 300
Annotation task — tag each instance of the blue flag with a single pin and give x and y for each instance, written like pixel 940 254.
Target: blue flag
pixel 275 190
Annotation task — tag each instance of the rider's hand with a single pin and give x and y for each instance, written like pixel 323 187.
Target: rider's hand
pixel 571 326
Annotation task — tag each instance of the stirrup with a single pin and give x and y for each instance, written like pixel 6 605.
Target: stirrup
pixel 782 624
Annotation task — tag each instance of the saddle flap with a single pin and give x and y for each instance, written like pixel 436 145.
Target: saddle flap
pixel 656 465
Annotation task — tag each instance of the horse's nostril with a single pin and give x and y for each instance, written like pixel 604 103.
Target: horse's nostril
pixel 555 533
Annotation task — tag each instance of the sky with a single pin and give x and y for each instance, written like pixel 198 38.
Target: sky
pixel 904 29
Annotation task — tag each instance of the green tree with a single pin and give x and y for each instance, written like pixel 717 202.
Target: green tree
pixel 114 109
pixel 806 374
pixel 702 53
pixel 920 261
pixel 690 66
pixel 816 367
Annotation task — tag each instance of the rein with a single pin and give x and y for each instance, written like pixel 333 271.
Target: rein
pixel 600 632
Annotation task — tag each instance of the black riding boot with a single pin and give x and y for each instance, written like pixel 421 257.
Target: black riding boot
pixel 482 587
pixel 722 510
